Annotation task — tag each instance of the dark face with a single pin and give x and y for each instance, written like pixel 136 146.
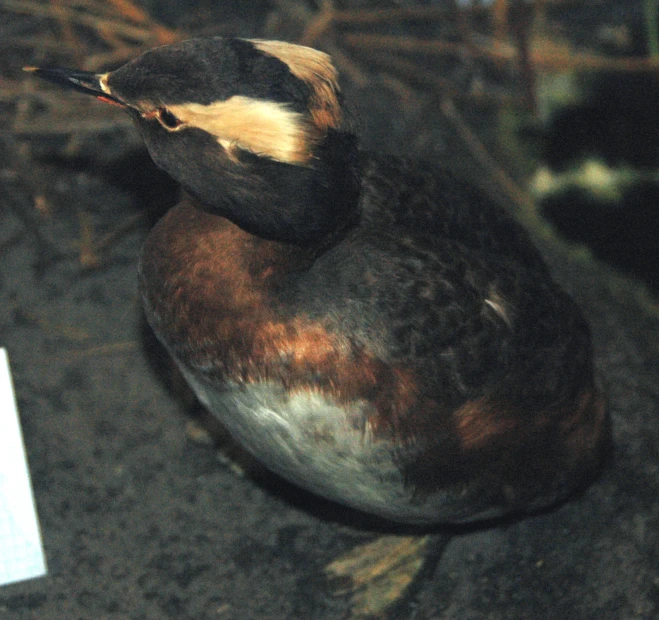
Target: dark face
pixel 253 129
pixel 205 71
pixel 271 99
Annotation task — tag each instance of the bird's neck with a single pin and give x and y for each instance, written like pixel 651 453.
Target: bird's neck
pixel 303 205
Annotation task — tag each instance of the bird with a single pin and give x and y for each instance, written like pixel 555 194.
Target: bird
pixel 378 332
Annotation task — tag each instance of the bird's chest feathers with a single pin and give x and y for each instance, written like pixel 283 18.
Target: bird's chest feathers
pixel 213 295
pixel 211 292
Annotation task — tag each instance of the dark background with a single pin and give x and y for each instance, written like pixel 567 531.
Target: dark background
pixel 140 521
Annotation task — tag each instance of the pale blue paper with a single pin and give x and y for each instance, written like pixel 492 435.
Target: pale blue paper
pixel 21 550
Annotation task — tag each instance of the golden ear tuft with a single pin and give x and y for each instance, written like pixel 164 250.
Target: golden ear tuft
pixel 261 127
pixel 316 69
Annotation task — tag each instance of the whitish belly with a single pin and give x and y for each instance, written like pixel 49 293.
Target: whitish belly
pixel 311 441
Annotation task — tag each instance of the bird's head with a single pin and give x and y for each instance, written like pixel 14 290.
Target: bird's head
pixel 254 129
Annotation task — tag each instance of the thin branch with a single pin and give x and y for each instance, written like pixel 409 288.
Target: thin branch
pixel 412 72
pixel 122 229
pixel 146 34
pixel 521 24
pixel 521 198
pixel 544 55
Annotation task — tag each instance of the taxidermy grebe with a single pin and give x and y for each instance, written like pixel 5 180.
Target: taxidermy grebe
pixel 387 338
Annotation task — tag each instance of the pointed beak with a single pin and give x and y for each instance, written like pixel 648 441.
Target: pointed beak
pixel 82 81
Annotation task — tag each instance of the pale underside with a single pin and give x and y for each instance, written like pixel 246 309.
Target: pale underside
pixel 324 447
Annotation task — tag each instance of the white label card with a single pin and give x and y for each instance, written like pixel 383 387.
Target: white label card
pixel 21 550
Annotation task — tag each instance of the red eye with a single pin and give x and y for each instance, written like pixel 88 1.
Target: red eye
pixel 167 119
